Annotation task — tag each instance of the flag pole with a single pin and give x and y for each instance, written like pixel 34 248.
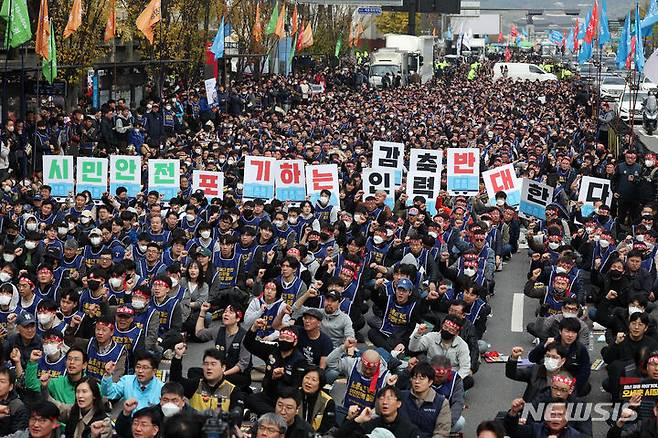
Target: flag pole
pixel 5 111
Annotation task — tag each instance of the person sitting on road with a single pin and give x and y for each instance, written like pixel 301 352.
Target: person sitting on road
pixel 537 376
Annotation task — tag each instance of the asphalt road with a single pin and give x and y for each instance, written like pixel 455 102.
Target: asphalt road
pixel 493 392
pixel 650 141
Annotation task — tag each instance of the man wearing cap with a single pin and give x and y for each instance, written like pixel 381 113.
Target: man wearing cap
pixel 401 312
pixel 171 322
pixel 313 343
pixel 284 364
pixel 127 333
pixel 335 323
pixel 100 349
pixel 18 346
pixel 92 252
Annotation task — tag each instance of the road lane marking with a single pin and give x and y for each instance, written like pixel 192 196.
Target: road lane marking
pixel 517 314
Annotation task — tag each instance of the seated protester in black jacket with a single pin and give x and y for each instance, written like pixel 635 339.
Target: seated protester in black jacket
pixel 552 422
pixel 537 376
pixel 578 362
pixel 627 346
pixel 614 293
pixel 389 403
pixel 212 391
pixel 646 428
pixel 477 310
pixel 285 365
pixel 15 417
pixel 562 388
pixel 287 405
pixel 617 320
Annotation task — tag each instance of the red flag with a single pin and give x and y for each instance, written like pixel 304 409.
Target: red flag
pixel 590 33
pixel 508 54
pixel 575 36
pixel 513 31
pixel 631 53
pixel 500 37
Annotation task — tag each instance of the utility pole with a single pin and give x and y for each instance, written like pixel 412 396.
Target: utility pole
pixel 412 6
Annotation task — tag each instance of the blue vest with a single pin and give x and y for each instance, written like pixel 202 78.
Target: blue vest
pixel 32 308
pixel 55 369
pixel 376 253
pixel 448 387
pixel 141 319
pixel 166 310
pixel 423 416
pixel 358 388
pixel 168 119
pixel 290 292
pixel 150 272
pixel 350 290
pixel 323 214
pixel 227 270
pixel 128 338
pixel 269 314
pixel 396 317
pixel 76 263
pixel 86 300
pixel 246 256
pixel 90 257
pixel 58 328
pixel 116 297
pixel 97 361
pixel 473 313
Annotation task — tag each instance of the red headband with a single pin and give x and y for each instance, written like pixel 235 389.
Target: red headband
pixel 27 280
pixel 291 333
pixel 653 360
pixel 107 324
pixel 54 338
pixel 452 325
pixel 571 381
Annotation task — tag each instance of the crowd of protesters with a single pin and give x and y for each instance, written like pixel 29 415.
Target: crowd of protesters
pixel 100 299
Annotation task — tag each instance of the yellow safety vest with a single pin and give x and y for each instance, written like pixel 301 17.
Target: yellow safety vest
pixel 206 398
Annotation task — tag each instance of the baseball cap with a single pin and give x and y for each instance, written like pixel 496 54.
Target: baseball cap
pixel 96 231
pixel 405 284
pixel 125 310
pixel 380 432
pixel 25 318
pixel 332 294
pixel 203 252
pixel 315 313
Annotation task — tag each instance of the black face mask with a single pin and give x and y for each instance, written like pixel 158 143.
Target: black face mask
pixel 614 274
pixel 446 335
pixel 325 236
pixel 248 214
pixel 93 285
pixel 286 345
pixel 313 245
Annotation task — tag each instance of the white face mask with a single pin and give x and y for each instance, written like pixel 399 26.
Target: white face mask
pixel 500 202
pixel 378 240
pixel 44 318
pixel 347 223
pixel 205 234
pixel 278 224
pixel 389 233
pixel 71 226
pixel 553 245
pixel 50 349
pixel 30 244
pixel 85 219
pixel 469 272
pixel 604 243
pixel 189 217
pixel 174 281
pixel 569 315
pixel 8 257
pixel 552 364
pixel 4 277
pixel 560 270
pixel 95 241
pixel 31 226
pixel 116 282
pixel 170 409
pixel 633 309
pixel 640 237
pixel 5 300
pixel 589 230
pixel 358 217
pixel 62 230
pixel 292 220
pixel 649 163
pixel 138 304
pixel 324 200
pixel 433 234
pixel 142 248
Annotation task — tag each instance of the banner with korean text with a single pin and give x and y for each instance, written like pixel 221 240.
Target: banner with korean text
pixel 535 197
pixel 126 171
pixel 91 175
pixel 323 177
pixel 463 166
pixel 379 179
pixel 593 190
pixel 259 177
pixel 58 174
pixel 164 176
pixel 502 179
pixel 424 176
pixel 389 155
pixel 210 183
pixel 289 180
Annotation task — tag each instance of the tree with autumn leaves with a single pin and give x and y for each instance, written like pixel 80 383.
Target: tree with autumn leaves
pixel 180 35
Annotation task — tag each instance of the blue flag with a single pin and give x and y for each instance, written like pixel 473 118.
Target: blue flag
pixel 449 34
pixel 585 53
pixel 518 41
pixel 525 32
pixel 570 41
pixel 217 47
pixel 650 19
pixel 639 42
pixel 622 49
pixel 555 37
pixel 583 29
pixel 604 31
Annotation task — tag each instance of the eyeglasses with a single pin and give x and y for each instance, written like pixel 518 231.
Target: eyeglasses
pixel 418 377
pixel 143 367
pixel 40 420
pixel 270 429
pixel 559 390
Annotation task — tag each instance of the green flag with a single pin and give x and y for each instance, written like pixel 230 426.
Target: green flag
pixel 271 25
pixel 339 45
pixel 18 22
pixel 49 66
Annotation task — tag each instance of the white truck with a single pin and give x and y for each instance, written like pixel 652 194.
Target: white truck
pixel 404 55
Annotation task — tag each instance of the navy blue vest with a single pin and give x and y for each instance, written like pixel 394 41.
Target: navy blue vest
pixel 97 361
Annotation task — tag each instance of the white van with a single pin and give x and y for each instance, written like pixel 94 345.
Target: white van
pixel 520 71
